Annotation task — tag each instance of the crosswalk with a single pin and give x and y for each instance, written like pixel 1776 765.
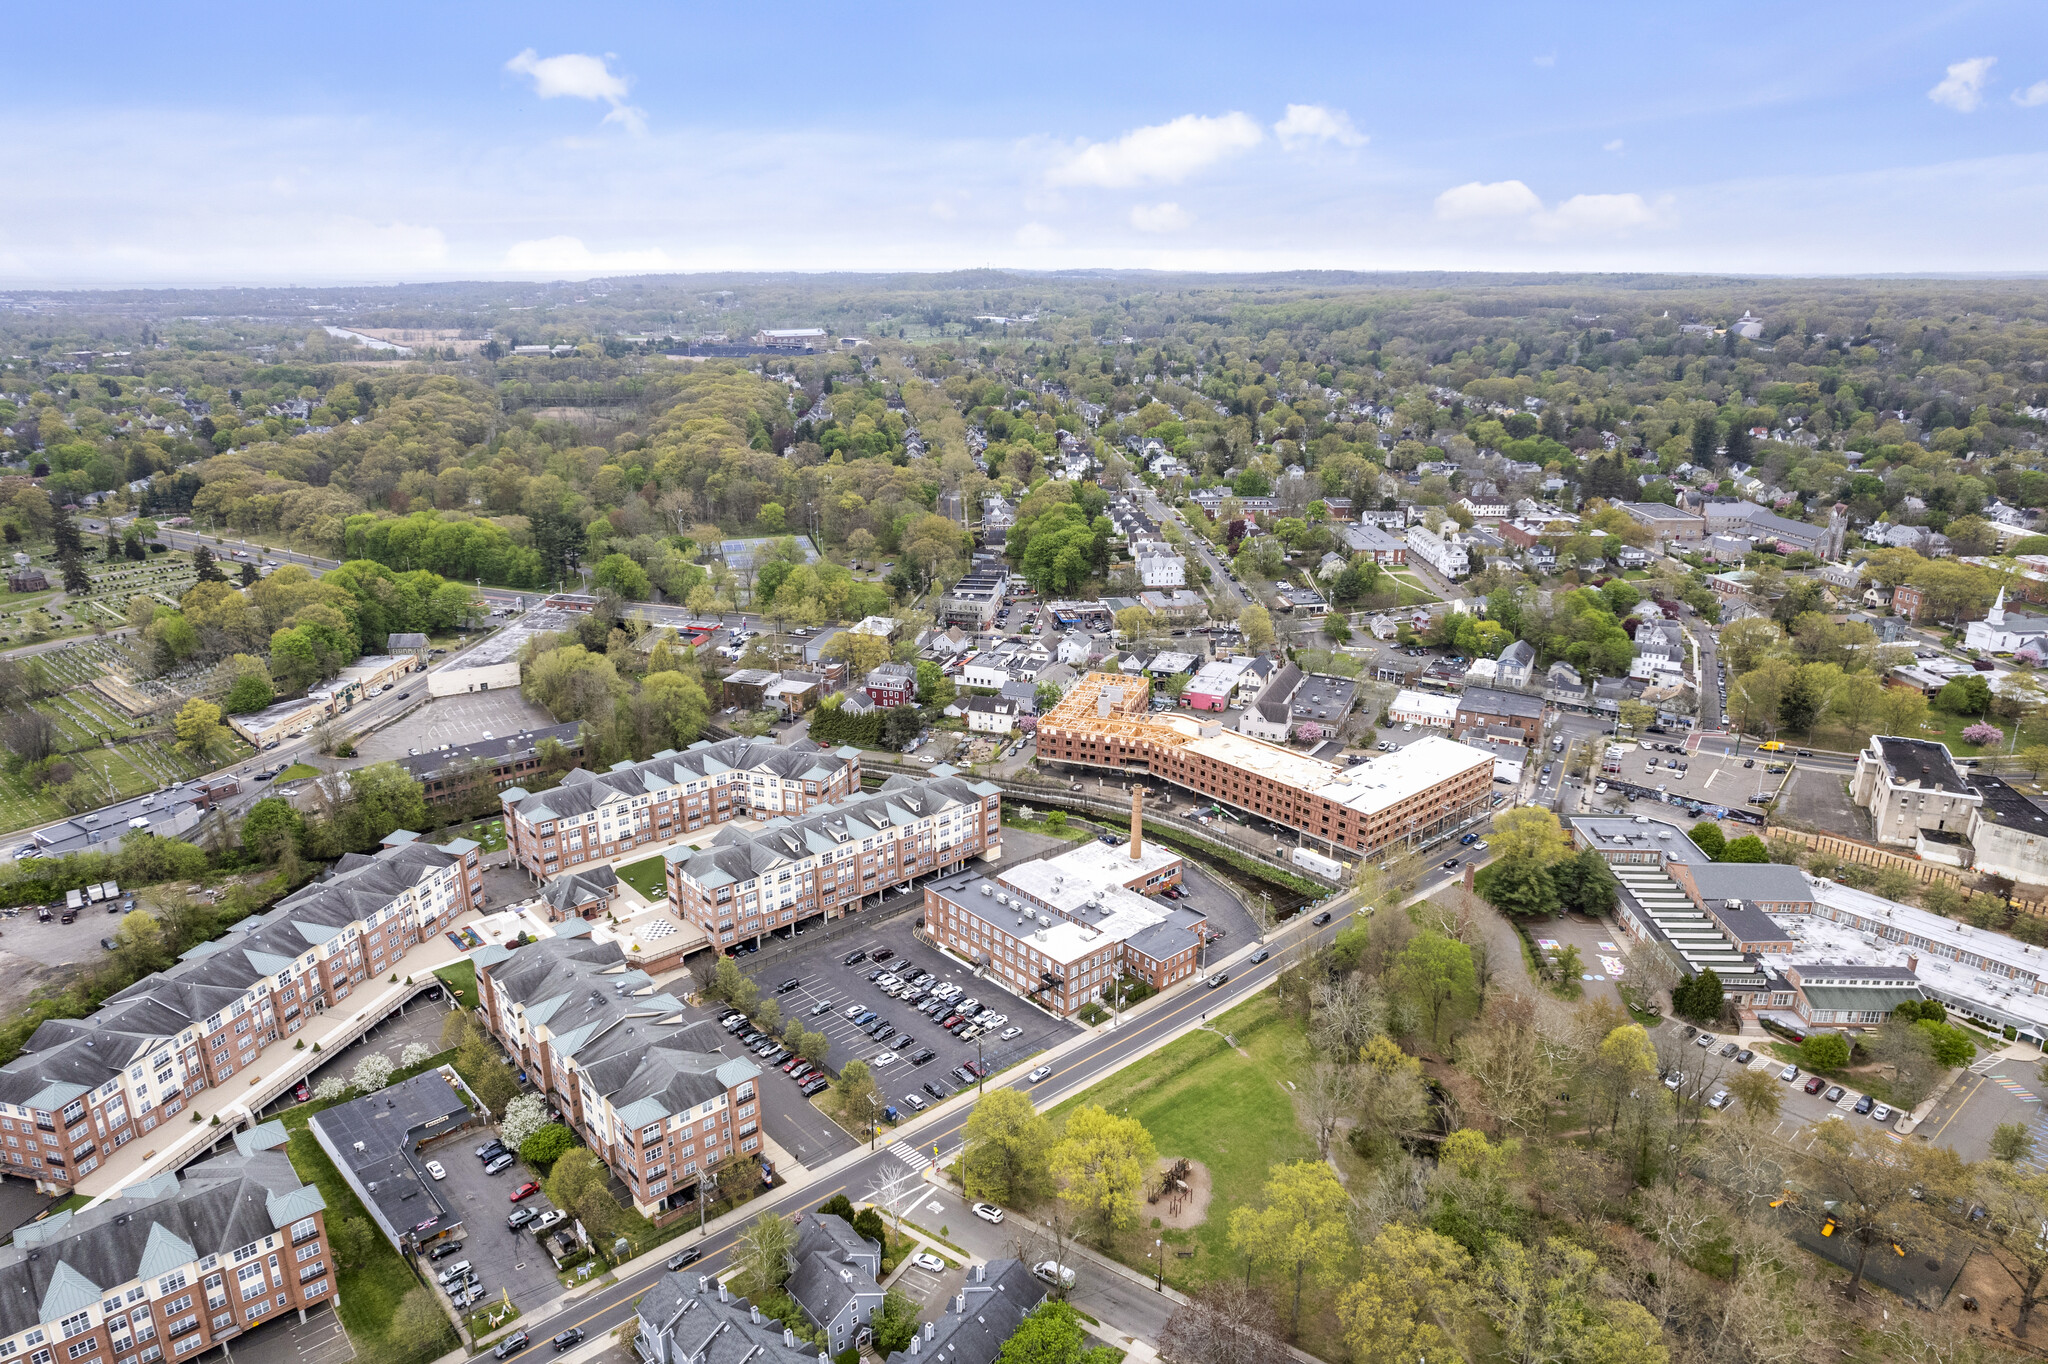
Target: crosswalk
pixel 2024 1095
pixel 909 1155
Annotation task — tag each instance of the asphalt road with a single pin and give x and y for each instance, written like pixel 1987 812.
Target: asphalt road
pixel 942 1132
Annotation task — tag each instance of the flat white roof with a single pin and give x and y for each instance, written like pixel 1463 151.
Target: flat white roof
pixel 1944 936
pixel 1123 913
pixel 1390 778
pixel 1426 703
pixel 1097 861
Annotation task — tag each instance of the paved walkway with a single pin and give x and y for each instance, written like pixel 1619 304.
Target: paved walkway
pixel 181 1140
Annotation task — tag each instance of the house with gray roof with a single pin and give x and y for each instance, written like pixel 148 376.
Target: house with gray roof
pixel 135 1266
pixel 981 1317
pixel 1271 715
pixel 694 1319
pixel 657 1097
pixel 586 894
pixel 834 1278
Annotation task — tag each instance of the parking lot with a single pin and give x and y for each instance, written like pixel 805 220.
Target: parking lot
pixel 1707 1070
pixel 463 719
pixel 505 1260
pixel 1716 773
pixel 829 989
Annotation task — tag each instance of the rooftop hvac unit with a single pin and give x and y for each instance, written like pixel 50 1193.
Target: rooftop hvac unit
pixel 1045 920
pixel 987 889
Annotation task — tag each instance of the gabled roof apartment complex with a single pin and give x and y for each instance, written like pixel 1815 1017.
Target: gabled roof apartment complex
pixel 650 1093
pixel 595 816
pixel 826 863
pixel 85 1086
pixel 1430 785
pixel 172 1266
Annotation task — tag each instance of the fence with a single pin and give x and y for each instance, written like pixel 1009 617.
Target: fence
pixel 1849 851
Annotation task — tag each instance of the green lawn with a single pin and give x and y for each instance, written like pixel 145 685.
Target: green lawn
pixel 1225 1107
pixel 649 876
pixel 371 1292
pixel 298 772
pixel 460 977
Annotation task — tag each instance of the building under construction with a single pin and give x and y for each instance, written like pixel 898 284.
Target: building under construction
pixel 1391 798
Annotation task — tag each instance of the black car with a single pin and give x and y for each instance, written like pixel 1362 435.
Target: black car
pixel 1321 919
pixel 512 1345
pixel 855 958
pixel 936 1091
pixel 814 1086
pixel 444 1250
pixel 877 974
pixel 568 1338
pixel 922 1057
pixel 884 953
pixel 787 986
pixel 491 1151
pixel 683 1258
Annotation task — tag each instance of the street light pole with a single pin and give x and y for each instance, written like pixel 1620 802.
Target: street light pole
pixel 1159 1279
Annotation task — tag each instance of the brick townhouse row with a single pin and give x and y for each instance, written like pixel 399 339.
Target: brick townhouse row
pixel 1429 785
pixel 86 1086
pixel 595 816
pixel 171 1267
pixel 827 863
pixel 649 1093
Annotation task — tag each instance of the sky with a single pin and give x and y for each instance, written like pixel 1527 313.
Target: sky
pixel 228 143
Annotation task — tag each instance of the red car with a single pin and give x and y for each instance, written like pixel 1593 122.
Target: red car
pixel 1816 1085
pixel 303 1092
pixel 526 1190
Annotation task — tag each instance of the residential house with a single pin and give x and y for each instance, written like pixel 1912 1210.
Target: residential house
pixel 1386 549
pixel 586 894
pixel 834 1280
pixel 1660 653
pixel 991 715
pixel 1517 662
pixel 1443 553
pixel 890 685
pixel 1271 715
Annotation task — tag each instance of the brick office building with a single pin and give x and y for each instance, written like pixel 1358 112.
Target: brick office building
pixel 827 863
pixel 171 1267
pixel 88 1085
pixel 594 816
pixel 1483 708
pixel 650 1094
pixel 1429 785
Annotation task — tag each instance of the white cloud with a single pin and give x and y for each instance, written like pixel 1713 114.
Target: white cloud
pixel 1159 218
pixel 1037 234
pixel 2033 95
pixel 1501 199
pixel 569 256
pixel 1591 214
pixel 1547 59
pixel 578 75
pixel 1164 152
pixel 1614 146
pixel 1306 123
pixel 1963 88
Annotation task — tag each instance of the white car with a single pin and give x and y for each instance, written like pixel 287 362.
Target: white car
pixel 924 1259
pixel 887 1058
pixel 988 1212
pixel 1053 1272
pixel 546 1220
pixel 434 1169
pixel 1035 1076
pixel 993 1020
pixel 1008 1033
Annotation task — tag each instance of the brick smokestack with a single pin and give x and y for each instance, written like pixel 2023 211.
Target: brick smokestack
pixel 1137 823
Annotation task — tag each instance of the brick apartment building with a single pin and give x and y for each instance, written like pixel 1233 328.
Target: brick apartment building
pixel 825 864
pixel 594 816
pixel 651 1095
pixel 1431 784
pixel 172 1267
pixel 85 1086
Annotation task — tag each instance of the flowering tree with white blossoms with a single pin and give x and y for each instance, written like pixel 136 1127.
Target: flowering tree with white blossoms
pixel 372 1073
pixel 524 1116
pixel 414 1053
pixel 333 1087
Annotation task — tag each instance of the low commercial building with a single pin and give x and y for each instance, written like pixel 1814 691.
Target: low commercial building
pixel 280 720
pixel 748 688
pixel 453 771
pixel 974 600
pixel 1392 798
pixel 826 863
pixel 649 1093
pixel 1212 687
pixel 173 1266
pixel 492 663
pixel 1482 708
pixel 1425 708
pixel 1673 527
pixel 1385 548
pixel 381 1142
pixel 595 816
pixel 586 894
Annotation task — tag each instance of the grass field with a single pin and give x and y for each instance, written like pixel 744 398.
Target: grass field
pixel 649 876
pixel 460 977
pixel 298 772
pixel 1227 1107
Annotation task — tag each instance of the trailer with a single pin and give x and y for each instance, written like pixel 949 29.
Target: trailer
pixel 109 890
pixel 73 900
pixel 1328 868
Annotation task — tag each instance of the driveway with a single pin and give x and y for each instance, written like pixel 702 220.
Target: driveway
pixel 285 1340
pixel 505 1259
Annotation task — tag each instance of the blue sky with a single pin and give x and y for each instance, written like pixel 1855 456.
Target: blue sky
pixel 171 143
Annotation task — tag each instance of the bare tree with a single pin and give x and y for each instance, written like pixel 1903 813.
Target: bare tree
pixel 1226 1324
pixel 1329 1094
pixel 1505 1056
pixel 892 1182
pixel 1344 1015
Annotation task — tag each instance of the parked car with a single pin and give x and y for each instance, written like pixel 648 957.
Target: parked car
pixel 499 1163
pixel 519 1218
pixel 1815 1085
pixel 1865 1104
pixel 444 1250
pixel 820 1007
pixel 915 1102
pixel 1055 1273
pixel 787 986
pixel 1729 1049
pixel 924 1259
pixel 988 1212
pixel 526 1190
pixel 855 958
pixel 1789 1074
pixel 934 1090
pixel 1882 1113
pixel 1705 1039
pixel 884 953
pixel 1834 1094
pixel 547 1219
pixel 923 1057
pixel 453 1272
pixel 435 1169
pixel 1721 1099
pixel 1010 1032
pixel 1744 1057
